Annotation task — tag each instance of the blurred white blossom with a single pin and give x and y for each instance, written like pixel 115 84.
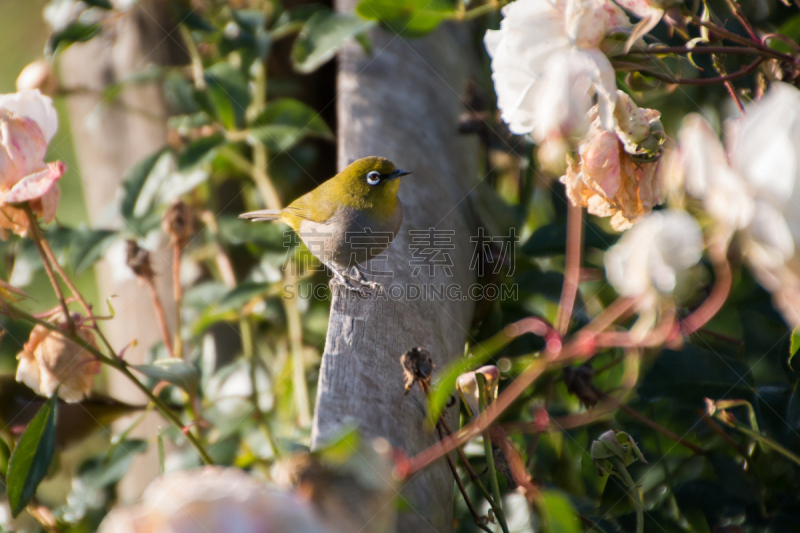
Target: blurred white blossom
pixel 650 257
pixel 547 65
pixel 618 172
pixel 750 184
pixel 213 500
pixel 61 13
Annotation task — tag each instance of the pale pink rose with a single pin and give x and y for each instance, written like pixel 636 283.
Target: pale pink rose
pixel 547 65
pixel 28 122
pixel 618 173
pixel 213 500
pixel 49 360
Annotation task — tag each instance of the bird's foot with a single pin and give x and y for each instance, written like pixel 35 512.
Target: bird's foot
pixel 356 283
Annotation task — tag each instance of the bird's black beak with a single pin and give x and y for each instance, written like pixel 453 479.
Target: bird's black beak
pixel 399 172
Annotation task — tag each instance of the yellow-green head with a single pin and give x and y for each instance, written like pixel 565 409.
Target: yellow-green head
pixel 368 183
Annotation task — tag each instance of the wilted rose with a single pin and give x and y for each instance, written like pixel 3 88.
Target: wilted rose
pixel 214 500
pixel 617 172
pixel 50 361
pixel 547 65
pixel 28 122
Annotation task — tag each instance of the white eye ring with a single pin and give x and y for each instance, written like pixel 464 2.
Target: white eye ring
pixel 373 177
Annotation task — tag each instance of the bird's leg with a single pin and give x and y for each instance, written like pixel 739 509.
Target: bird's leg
pixel 372 286
pixel 342 277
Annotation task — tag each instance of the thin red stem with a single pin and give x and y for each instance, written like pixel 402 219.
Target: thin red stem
pixel 572 269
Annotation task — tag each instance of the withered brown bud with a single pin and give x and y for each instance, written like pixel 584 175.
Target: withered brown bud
pixel 178 222
pixel 417 366
pixel 579 382
pixel 138 260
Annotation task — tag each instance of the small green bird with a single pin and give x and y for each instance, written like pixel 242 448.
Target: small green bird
pixel 347 220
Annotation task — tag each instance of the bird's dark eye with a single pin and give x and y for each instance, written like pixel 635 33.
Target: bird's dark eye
pixel 373 177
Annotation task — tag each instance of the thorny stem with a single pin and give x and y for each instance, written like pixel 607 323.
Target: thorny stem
pixel 666 50
pixel 720 68
pixel 115 362
pixel 161 317
pixel 722 32
pixel 744 71
pixel 75 292
pixel 737 12
pixel 461 488
pixel 572 269
pixel 48 268
pixel 177 294
pixel 719 292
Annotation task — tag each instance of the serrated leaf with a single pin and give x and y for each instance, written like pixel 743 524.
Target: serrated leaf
pixel 285 122
pixel 31 458
pixel 242 294
pixel 105 4
pixel 411 18
pixel 174 371
pixel 77 32
pixel 88 247
pixel 228 94
pixel 134 182
pixel 795 345
pixel 323 35
pixel 557 513
pixel 199 151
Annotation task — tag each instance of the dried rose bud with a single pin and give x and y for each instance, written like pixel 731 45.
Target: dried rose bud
pixel 178 222
pixel 138 259
pixel 50 361
pixel 38 75
pixel 417 366
pixel 468 387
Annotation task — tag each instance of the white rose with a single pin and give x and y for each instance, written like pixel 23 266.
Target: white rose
pixel 547 65
pixel 650 257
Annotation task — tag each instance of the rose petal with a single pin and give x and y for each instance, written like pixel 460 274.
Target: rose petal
pixel 34 105
pixel 36 185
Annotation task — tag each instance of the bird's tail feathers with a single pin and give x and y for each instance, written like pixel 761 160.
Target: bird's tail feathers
pixel 264 214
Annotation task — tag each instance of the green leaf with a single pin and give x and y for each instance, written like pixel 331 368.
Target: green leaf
pixel 199 151
pixel 134 182
pixel 411 18
pixel 174 371
pixel 227 93
pixel 287 121
pixel 557 513
pixel 795 345
pixel 105 4
pixel 294 19
pixel 323 34
pixel 77 32
pixel 89 247
pixel 31 457
pixel 551 239
pixel 242 294
pixel 446 383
